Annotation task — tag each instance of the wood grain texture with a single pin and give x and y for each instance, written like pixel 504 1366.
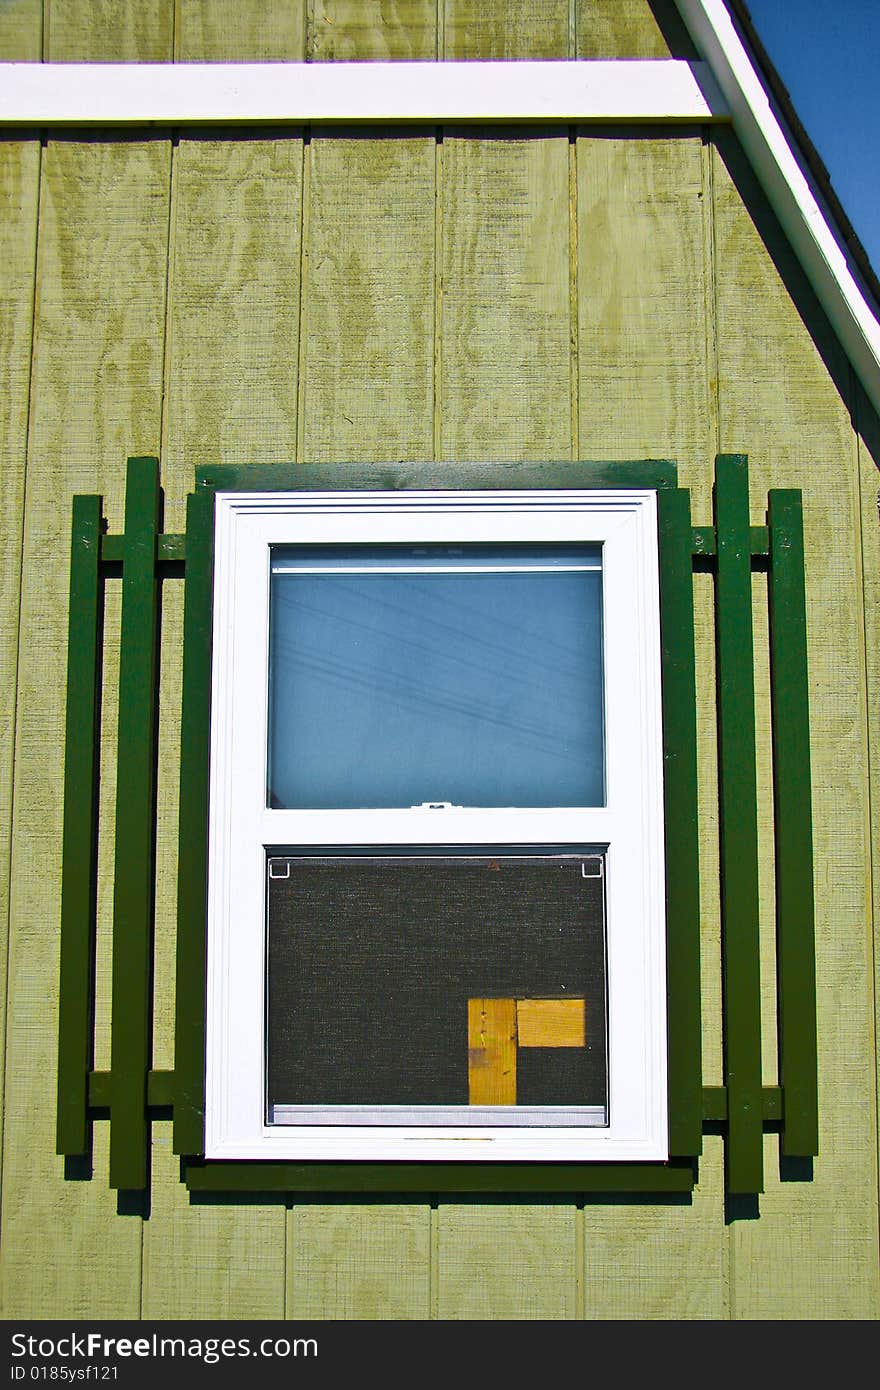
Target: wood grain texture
pixel 506 1262
pixel 550 1023
pixel 812 1254
pixel 503 389
pixel 641 330
pixel 19 193
pixel 505 29
pixel 96 389
pixel 492 1052
pixel 629 29
pixel 869 486
pixel 644 368
pixel 233 310
pixel 658 1262
pixel 239 31
pixel 371 30
pixel 356 1262
pixel 202 1260
pixel 503 392
pixel 367 344
pixel 108 31
pixel 366 392
pixel 230 373
pixel 21 31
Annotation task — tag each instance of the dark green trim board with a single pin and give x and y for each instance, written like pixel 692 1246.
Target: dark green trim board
pixel 793 826
pixel 434 477
pixel 192 862
pixel 131 1093
pixel 738 797
pixel 684 1026
pixel 79 864
pixel 448 1178
pixel 135 832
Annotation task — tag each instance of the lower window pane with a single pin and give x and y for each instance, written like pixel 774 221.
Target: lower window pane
pixel 461 989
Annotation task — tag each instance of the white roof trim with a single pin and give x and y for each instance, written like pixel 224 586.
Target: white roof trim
pixel 791 189
pixel 42 94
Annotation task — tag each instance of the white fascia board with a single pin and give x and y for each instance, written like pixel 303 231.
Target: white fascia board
pixel 793 194
pixel 95 94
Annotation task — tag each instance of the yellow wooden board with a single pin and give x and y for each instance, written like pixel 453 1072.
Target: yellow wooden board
pixel 550 1023
pixel 492 1051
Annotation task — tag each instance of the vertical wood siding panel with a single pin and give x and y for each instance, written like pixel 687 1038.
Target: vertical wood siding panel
pixel 645 392
pixel 367 341
pixel 240 31
pixel 629 29
pixel 813 1253
pixel 96 392
pixel 21 31
pixel 505 299
pixel 372 30
pixel 109 31
pixel 507 1262
pixel 506 29
pixel 366 392
pixel 360 1262
pixel 504 393
pixel 19 192
pixel 869 477
pixel 231 362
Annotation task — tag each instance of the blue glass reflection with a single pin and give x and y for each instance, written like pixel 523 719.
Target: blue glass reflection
pixel 402 675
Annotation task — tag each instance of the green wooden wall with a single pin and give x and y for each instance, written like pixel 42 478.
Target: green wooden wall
pixel 468 294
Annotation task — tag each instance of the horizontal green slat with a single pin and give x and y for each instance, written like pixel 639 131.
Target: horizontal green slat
pixel 78 877
pixel 739 827
pixel 189 1062
pixel 133 891
pixel 682 837
pixel 789 687
pixel 160 1089
pixel 169 547
pixel 704 542
pixel 381 477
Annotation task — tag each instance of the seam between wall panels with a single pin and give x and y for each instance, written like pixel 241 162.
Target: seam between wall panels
pixel 14 722
pixel 437 373
pixel 304 207
pixel 573 293
pixel 872 867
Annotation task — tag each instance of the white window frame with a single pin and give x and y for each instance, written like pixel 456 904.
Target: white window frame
pixel 242 830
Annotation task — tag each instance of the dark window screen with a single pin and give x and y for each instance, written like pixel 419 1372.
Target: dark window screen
pixel 372 964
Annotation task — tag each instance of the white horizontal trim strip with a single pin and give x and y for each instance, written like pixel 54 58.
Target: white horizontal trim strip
pixel 501 1116
pixel 793 193
pixel 300 93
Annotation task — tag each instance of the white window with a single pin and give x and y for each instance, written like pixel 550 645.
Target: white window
pixel 436 880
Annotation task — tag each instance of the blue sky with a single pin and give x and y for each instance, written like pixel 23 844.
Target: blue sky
pixel 827 53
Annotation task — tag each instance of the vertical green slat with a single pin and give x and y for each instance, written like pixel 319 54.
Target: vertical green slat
pixel 78 875
pixel 189 1060
pixel 739 827
pixel 133 891
pixel 682 837
pixel 795 944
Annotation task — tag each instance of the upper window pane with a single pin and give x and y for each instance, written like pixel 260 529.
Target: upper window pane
pixel 401 675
